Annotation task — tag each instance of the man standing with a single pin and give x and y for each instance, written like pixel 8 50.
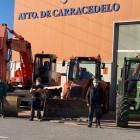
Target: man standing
pixel 3 93
pixel 36 91
pixel 95 100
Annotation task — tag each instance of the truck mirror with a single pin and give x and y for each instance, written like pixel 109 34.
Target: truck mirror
pixel 54 61
pixel 103 66
pixel 63 63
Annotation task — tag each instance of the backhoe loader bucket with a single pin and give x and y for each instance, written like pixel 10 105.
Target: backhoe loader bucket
pixel 65 108
pixel 11 106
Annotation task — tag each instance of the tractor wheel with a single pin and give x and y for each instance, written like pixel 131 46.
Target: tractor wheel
pixel 122 111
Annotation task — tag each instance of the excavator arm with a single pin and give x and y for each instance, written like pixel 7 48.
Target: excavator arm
pixel 24 49
pixel 20 45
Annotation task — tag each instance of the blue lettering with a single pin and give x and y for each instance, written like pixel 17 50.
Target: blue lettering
pixel 34 15
pixel 90 9
pixel 103 8
pixel 48 13
pixel 42 14
pixel 83 10
pixel 72 11
pixel 108 8
pixel 66 12
pixel 20 16
pixel 60 13
pixel 115 7
pixel 78 12
pixel 29 15
pixel 96 9
pixel 53 13
pixel 24 15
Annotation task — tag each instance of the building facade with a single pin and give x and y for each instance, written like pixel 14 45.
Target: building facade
pixel 80 28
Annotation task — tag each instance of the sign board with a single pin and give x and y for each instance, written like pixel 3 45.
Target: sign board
pixel 70 11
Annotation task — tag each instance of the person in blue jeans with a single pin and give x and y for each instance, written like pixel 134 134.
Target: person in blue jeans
pixel 36 91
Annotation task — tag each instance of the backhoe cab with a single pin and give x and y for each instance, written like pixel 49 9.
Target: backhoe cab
pixel 128 99
pixel 82 70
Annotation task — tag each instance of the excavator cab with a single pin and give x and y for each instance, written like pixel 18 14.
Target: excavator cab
pixel 45 68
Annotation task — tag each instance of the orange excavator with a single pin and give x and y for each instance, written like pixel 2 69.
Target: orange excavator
pixel 24 48
pixel 19 45
pixel 43 66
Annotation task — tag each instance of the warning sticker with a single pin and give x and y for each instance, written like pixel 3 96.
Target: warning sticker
pixel 105 71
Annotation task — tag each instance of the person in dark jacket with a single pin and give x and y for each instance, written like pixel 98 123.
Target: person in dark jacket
pixel 95 100
pixel 36 91
pixel 3 93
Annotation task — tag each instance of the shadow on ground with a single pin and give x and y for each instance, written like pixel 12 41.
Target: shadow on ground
pixel 107 121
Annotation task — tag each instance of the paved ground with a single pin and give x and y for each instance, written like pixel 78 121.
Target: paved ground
pixel 65 129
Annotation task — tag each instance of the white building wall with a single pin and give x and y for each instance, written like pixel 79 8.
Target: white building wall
pixel 106 77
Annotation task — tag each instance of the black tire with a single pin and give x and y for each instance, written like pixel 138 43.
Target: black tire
pixel 122 111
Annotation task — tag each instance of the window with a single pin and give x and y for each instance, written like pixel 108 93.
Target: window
pixel 134 71
pixel 83 69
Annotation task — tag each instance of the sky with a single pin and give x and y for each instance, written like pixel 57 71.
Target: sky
pixel 7 13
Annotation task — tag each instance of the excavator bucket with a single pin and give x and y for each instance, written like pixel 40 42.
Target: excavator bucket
pixel 11 106
pixel 65 108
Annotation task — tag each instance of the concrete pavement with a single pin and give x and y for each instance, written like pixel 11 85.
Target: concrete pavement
pixel 66 129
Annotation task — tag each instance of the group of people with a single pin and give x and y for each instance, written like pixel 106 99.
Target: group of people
pixel 94 98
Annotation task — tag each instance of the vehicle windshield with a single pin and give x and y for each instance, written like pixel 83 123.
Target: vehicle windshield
pixel 134 71
pixel 133 77
pixel 42 68
pixel 83 69
pixel 42 65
